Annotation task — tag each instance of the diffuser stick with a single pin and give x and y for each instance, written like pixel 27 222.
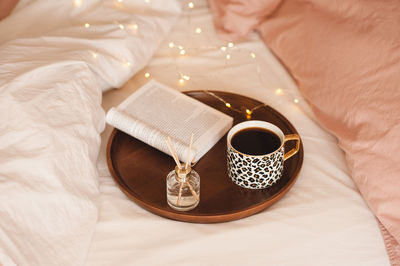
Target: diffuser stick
pixel 173 152
pixel 179 194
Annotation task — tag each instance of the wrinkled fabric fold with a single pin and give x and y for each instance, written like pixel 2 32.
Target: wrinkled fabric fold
pixel 56 59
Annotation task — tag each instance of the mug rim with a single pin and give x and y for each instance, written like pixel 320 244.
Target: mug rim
pixel 230 135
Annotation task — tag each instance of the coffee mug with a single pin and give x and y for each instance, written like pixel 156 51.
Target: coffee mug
pixel 256 153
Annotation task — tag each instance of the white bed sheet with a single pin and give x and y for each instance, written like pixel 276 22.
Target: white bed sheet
pixel 322 220
pixel 56 57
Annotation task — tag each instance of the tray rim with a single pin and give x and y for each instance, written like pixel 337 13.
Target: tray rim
pixel 206 218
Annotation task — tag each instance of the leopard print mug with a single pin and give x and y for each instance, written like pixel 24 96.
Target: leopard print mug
pixel 258 171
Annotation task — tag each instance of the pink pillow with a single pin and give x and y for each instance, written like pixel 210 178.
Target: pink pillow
pixel 6 6
pixel 345 58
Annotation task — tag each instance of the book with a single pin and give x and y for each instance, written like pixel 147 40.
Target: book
pixel 156 111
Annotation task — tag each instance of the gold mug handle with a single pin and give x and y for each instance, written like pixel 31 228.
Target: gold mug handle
pixel 293 151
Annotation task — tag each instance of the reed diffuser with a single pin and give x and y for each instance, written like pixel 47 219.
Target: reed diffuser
pixel 183 183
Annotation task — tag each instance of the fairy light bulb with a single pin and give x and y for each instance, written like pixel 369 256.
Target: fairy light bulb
pixel 296 100
pixel 171 45
pixel 253 55
pixel 147 75
pixel 181 81
pixel 87 25
pixel 191 5
pixel 94 55
pixel 77 3
pixel 278 91
pixel 180 47
pixel 223 48
pixel 230 44
pixel 128 64
pixel 147 1
pixel 182 52
pixel 198 30
pixel 121 26
pixel 228 57
pixel 120 1
pixel 248 113
pixel 228 105
pixel 186 77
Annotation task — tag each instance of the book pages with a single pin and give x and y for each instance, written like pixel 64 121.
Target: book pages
pixel 156 111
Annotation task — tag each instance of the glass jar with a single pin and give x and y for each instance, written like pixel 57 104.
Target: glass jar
pixel 183 189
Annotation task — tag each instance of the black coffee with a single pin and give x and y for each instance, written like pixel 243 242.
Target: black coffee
pixel 255 141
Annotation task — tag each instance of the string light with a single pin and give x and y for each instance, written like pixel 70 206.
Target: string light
pixel 243 110
pixel 183 78
pixel 133 26
pixel 248 114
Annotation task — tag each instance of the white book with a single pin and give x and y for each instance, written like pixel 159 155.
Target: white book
pixel 156 111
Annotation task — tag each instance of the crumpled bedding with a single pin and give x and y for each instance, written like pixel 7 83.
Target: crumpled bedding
pixel 56 59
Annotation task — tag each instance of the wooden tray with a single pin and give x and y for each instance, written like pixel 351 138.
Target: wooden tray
pixel 140 170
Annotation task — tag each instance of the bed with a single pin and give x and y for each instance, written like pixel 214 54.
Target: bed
pixel 64 64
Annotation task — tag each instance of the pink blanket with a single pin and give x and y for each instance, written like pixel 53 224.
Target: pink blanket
pixel 344 56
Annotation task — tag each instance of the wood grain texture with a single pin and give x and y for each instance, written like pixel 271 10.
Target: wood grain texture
pixel 140 170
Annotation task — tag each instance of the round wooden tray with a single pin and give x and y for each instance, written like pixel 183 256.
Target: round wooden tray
pixel 140 170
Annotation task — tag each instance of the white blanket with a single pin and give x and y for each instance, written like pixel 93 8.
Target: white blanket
pixel 56 58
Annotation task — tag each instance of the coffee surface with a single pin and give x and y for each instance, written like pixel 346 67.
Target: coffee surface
pixel 255 141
